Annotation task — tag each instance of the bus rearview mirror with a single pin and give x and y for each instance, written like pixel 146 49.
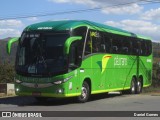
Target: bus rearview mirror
pixel 9 44
pixel 68 43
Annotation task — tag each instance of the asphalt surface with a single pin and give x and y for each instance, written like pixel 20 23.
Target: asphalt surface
pixel 104 102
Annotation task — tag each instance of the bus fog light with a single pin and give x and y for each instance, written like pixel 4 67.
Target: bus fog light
pixel 60 91
pixel 17 89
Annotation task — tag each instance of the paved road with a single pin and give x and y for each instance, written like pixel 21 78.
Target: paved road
pixel 98 103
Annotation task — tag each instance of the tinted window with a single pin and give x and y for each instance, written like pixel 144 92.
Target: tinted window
pixel 94 43
pixel 103 42
pixel 88 45
pixel 135 46
pixel 108 42
pixel 146 47
pixel 149 47
pixel 81 31
pixel 126 46
pixel 116 44
pixel 98 45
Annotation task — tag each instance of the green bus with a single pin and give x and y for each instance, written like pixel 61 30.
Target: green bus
pixel 77 58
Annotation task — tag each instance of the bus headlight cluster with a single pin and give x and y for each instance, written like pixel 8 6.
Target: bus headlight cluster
pixel 62 81
pixel 18 81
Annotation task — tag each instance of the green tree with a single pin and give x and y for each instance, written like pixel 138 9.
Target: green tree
pixel 7 72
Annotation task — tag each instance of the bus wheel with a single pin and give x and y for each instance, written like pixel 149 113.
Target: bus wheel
pixel 139 86
pixel 85 93
pixel 133 86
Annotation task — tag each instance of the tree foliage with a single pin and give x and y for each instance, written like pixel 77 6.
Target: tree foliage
pixel 7 72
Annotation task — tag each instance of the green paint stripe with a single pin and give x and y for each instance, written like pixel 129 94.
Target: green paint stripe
pixel 146 85
pixel 109 90
pixel 112 90
pixel 144 37
pixel 104 30
pixel 112 31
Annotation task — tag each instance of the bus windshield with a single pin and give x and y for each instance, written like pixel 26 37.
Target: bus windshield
pixel 41 54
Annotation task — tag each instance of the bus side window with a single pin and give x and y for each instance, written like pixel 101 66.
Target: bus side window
pixel 102 46
pixel 143 48
pixel 126 45
pixel 108 42
pixel 146 47
pixel 75 54
pixel 149 47
pixel 135 48
pixel 81 31
pixel 114 49
pixel 116 45
pixel 98 45
pixel 88 45
pixel 140 50
pixel 96 42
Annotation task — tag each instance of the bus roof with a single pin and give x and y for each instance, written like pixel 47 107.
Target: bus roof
pixel 72 24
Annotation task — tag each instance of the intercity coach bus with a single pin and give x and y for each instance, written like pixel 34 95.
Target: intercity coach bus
pixel 77 58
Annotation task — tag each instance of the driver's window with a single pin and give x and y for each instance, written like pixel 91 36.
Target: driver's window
pixel 75 54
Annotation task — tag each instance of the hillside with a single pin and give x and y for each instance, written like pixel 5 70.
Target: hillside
pixel 4 57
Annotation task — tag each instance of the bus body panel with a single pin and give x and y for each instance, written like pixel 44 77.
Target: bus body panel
pixel 106 71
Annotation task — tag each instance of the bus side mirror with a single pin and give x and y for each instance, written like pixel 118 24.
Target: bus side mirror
pixel 68 43
pixel 9 44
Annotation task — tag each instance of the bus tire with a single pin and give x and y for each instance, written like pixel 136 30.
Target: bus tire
pixel 85 93
pixel 133 86
pixel 139 86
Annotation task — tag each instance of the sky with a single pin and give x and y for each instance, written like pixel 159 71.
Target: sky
pixel 137 16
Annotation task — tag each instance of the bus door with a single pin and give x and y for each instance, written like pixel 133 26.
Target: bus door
pixel 75 60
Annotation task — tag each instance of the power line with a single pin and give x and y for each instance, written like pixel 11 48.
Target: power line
pixel 81 10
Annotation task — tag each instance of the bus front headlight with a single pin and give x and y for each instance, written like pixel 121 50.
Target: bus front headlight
pixel 18 81
pixel 63 80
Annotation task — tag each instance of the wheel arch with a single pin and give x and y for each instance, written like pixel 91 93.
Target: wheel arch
pixel 134 76
pixel 88 80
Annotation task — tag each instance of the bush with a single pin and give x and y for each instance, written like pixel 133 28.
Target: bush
pixel 7 72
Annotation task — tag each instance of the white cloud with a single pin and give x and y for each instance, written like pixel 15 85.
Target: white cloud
pixel 130 9
pixel 33 19
pixel 9 33
pixel 153 14
pixel 91 3
pixel 10 28
pixel 127 9
pixel 138 27
pixel 60 1
pixel 11 23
